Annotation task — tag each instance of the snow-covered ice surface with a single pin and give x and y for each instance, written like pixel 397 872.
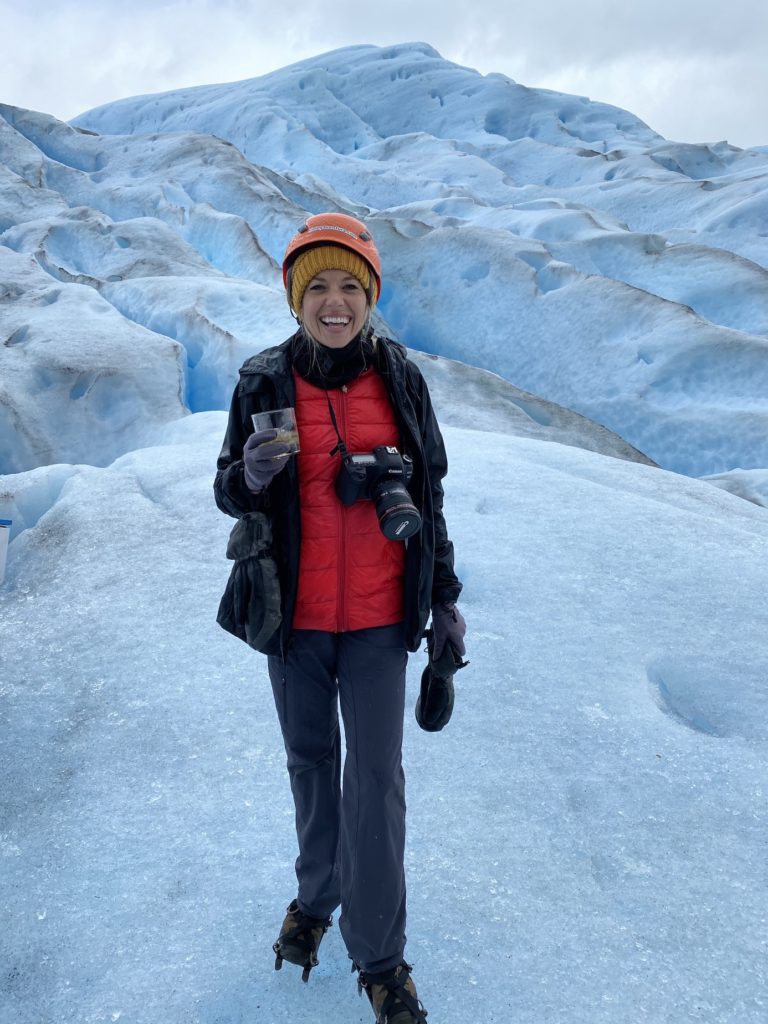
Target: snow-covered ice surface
pixel 588 837
pixel 557 242
pixel 751 484
pixel 79 381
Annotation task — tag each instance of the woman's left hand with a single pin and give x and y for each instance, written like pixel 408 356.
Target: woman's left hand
pixel 449 627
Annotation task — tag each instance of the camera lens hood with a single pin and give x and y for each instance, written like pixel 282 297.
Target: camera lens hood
pixel 399 522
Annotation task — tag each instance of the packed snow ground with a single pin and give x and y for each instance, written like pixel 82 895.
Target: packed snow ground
pixel 587 838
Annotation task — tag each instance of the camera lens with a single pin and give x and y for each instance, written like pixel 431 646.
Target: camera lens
pixel 398 516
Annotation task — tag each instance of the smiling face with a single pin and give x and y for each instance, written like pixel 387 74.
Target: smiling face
pixel 334 308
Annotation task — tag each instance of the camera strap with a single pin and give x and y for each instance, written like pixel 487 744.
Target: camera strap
pixel 340 447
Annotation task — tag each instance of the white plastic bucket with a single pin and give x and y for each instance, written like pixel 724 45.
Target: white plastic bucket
pixel 5 533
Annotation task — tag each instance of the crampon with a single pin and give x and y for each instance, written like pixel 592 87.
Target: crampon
pixel 299 939
pixel 392 995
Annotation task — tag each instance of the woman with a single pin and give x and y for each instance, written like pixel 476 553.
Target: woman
pixel 356 596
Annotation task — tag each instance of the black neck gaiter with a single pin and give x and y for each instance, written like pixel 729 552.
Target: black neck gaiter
pixel 332 367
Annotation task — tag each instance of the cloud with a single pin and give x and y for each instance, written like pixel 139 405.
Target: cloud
pixel 83 54
pixel 695 71
pixel 688 99
pixel 593 31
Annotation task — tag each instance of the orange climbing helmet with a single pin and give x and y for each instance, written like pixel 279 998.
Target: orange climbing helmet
pixel 335 229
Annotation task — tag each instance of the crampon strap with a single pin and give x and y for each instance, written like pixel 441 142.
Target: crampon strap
pixel 394 983
pixel 300 936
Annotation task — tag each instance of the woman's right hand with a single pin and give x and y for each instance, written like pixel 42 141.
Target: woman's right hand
pixel 263 458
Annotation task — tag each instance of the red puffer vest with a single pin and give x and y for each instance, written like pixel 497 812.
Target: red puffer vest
pixel 350 575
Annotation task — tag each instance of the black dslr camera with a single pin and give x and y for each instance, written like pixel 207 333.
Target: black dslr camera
pixel 381 476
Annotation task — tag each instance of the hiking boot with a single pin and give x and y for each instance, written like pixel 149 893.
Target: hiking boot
pixel 299 939
pixel 393 996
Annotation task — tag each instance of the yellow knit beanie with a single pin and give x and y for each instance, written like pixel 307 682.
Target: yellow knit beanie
pixel 311 262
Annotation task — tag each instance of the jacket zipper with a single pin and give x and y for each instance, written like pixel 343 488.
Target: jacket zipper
pixel 341 605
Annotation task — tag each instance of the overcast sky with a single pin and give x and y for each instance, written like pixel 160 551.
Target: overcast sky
pixel 694 70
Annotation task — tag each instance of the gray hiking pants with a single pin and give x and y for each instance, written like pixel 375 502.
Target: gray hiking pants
pixel 351 836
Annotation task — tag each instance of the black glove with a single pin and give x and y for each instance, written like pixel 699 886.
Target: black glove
pixel 263 457
pixel 449 628
pixel 434 705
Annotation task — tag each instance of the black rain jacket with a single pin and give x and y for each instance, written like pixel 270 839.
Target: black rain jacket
pixel 266 382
